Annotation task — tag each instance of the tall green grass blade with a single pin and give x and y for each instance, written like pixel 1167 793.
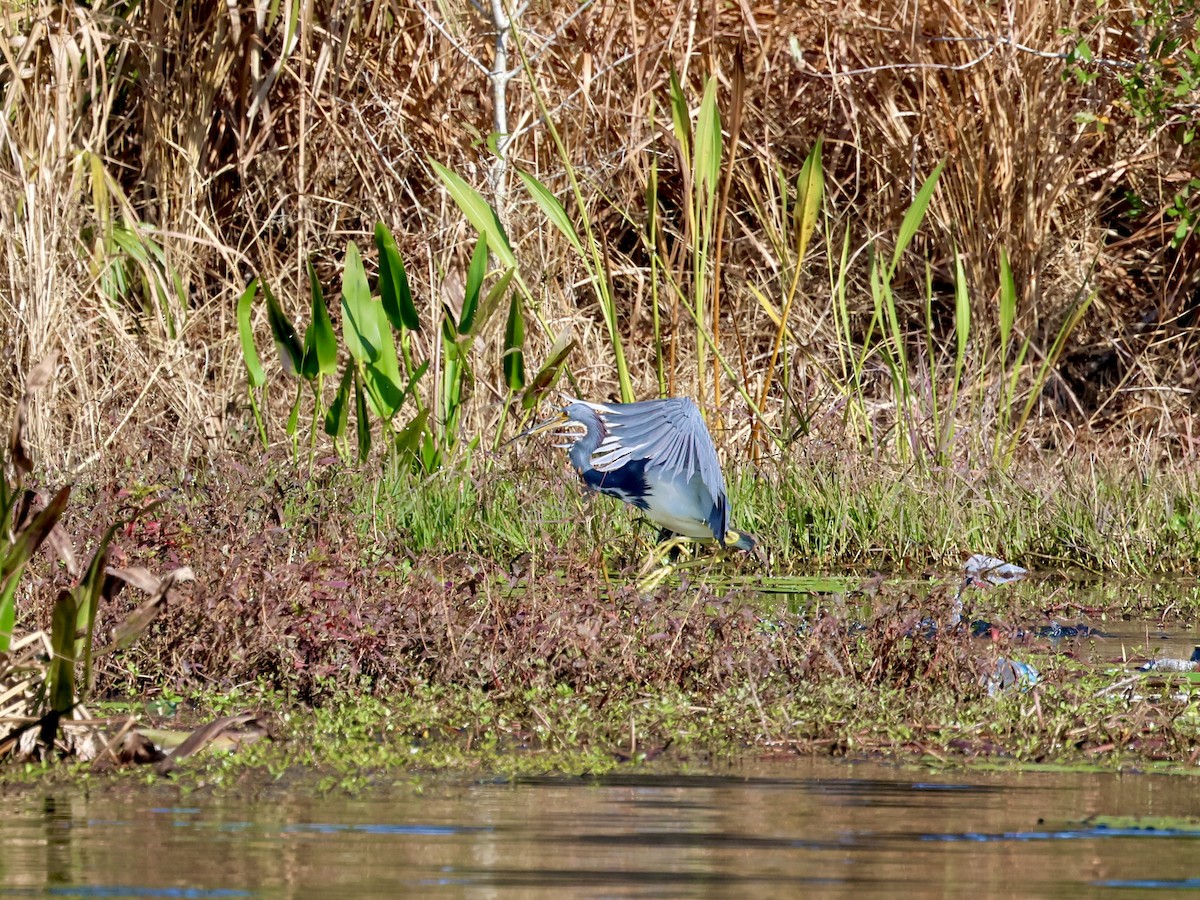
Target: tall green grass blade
pixel 89 591
pixel 810 196
pixel 962 318
pixel 492 301
pixel 476 272
pixel 87 602
pixel 142 250
pixel 254 369
pixel 706 169
pixel 478 212
pixel 707 164
pixel 165 276
pixel 1010 369
pixel 393 283
pixel 914 215
pixel 547 375
pixel 362 420
pixel 407 444
pixel 891 348
pixel 553 210
pixel 417 375
pixel 514 340
pixel 592 257
pixel 1008 305
pixel 962 330
pixel 681 119
pixel 652 244
pixel 1074 317
pixel 810 188
pixel 933 360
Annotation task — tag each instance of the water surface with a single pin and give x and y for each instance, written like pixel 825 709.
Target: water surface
pixel 818 826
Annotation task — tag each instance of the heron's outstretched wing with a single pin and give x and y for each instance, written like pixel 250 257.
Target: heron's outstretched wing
pixel 669 434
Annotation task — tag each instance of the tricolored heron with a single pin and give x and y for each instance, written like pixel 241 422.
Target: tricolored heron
pixel 655 455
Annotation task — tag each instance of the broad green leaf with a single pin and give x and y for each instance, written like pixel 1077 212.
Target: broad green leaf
pixel 8 609
pixel 383 383
pixel 60 674
pixel 547 375
pixel 360 323
pixel 17 554
pixel 810 194
pixel 369 338
pixel 408 441
pixel 553 209
pixel 514 340
pixel 320 343
pixel 254 369
pixel 476 272
pixel 25 544
pixel 339 411
pixel 431 456
pixel 393 283
pixel 915 214
pixel 478 213
pixel 291 354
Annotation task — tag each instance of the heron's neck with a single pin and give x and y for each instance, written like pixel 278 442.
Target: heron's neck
pixel 582 450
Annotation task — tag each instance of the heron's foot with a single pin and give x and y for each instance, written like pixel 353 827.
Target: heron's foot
pixel 664 556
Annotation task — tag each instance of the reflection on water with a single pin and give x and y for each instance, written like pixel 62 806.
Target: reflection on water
pixel 1145 640
pixel 821 826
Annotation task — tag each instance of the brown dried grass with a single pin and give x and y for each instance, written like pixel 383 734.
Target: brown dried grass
pixel 242 155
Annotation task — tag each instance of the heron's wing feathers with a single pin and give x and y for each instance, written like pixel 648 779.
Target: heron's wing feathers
pixel 670 434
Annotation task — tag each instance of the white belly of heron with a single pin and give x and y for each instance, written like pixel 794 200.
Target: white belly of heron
pixel 679 507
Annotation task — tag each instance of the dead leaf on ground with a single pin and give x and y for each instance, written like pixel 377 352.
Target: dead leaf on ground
pixel 159 590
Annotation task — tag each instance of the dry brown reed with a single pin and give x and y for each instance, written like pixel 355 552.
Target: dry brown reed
pixel 157 156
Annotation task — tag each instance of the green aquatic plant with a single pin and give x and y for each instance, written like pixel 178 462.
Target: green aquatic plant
pixel 381 373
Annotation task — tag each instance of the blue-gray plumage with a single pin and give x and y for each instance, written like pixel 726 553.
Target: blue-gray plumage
pixel 656 455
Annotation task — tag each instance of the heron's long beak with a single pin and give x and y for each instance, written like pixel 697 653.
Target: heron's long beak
pixel 554 422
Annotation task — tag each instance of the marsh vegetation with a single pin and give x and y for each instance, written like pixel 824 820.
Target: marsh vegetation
pixel 931 274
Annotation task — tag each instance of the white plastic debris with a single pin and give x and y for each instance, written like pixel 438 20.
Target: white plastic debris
pixel 1009 672
pixel 993 570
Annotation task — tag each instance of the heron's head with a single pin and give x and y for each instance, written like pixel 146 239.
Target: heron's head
pixel 566 421
pixel 576 427
pixel 741 540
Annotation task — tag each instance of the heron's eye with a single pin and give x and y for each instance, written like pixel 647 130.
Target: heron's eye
pixel 732 537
